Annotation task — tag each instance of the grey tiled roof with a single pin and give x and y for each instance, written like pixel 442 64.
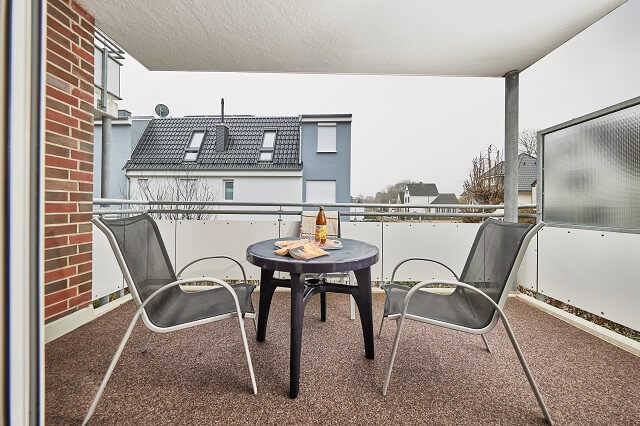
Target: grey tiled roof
pixel 527 171
pixel 422 189
pixel 446 198
pixel 162 145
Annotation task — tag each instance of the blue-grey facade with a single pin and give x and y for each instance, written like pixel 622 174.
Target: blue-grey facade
pixel 125 133
pixel 327 166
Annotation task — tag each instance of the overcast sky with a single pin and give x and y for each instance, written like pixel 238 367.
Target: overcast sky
pixel 421 128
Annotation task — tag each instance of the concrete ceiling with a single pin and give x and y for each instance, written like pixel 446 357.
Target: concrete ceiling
pixel 414 37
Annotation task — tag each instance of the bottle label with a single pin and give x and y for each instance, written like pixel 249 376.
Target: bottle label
pixel 321 232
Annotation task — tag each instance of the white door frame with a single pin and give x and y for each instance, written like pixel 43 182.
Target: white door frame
pixel 24 212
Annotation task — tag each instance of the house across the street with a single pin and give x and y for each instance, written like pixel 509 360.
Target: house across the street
pixel 425 194
pixel 296 159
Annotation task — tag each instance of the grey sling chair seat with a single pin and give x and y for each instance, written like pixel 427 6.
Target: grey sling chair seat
pixel 479 296
pixel 163 305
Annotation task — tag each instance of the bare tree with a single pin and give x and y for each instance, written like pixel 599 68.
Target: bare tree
pixel 179 188
pixel 485 183
pixel 528 142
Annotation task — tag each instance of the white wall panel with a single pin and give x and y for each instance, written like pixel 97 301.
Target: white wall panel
pixel 168 232
pixel 592 270
pixel 528 272
pixel 448 243
pixel 200 238
pixel 369 232
pixel 290 229
pixel 106 274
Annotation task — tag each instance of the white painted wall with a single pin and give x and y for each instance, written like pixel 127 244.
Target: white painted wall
pixel 416 199
pixel 258 187
pixel 526 197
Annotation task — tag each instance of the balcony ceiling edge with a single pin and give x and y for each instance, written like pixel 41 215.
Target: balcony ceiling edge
pixel 406 37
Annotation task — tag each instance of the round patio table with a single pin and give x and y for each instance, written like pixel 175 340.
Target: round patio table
pixel 356 256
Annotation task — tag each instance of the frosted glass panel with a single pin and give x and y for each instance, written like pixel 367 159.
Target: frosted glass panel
pixel 113 77
pixel 592 172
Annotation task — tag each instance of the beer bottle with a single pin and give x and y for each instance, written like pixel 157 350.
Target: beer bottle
pixel 321 227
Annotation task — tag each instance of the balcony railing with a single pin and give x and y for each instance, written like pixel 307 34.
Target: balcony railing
pixel 592 270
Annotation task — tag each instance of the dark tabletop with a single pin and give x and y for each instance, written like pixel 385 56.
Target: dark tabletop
pixel 353 256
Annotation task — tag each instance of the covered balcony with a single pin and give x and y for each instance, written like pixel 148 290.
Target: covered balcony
pixel 67 306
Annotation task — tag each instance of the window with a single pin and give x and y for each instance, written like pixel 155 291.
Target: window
pixel 196 140
pixel 268 145
pixel 266 156
pixel 228 190
pixel 326 137
pixel 195 143
pixel 321 191
pixel 190 156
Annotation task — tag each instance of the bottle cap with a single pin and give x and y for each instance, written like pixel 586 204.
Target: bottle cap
pixel 321 207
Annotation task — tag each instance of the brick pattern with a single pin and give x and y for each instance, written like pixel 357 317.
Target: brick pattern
pixel 68 149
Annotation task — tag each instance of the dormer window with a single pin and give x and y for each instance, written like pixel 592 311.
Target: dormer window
pixel 268 145
pixel 195 143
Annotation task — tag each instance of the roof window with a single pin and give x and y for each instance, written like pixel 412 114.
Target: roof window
pixel 268 144
pixel 195 143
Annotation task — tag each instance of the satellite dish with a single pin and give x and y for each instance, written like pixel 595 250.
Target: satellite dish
pixel 162 110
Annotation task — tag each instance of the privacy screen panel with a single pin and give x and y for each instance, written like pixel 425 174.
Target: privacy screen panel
pixel 591 174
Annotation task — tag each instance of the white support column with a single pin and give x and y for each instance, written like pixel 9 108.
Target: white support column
pixel 511 83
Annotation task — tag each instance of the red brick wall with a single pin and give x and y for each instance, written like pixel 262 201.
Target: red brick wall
pixel 68 158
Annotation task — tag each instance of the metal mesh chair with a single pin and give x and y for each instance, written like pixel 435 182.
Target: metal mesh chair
pixel 479 296
pixel 163 305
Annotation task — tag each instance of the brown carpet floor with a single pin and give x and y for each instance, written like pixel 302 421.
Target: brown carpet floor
pixel 199 376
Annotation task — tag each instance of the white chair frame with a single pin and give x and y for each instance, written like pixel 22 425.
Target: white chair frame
pixel 499 314
pixel 141 312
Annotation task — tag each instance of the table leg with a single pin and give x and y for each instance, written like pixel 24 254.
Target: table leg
pixel 363 299
pixel 323 307
pixel 297 315
pixel 267 287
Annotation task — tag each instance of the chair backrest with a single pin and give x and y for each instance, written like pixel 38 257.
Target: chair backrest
pixel 308 223
pixel 143 259
pixel 492 265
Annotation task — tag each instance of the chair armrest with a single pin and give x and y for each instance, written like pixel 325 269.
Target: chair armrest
pixel 393 274
pixel 244 275
pixel 418 286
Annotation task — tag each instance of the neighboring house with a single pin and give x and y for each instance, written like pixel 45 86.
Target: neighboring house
pixel 125 133
pixel 445 198
pixel 527 173
pixel 246 158
pixel 419 193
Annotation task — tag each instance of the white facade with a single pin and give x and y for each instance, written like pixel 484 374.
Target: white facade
pixel 248 186
pixel 420 199
pixel 526 197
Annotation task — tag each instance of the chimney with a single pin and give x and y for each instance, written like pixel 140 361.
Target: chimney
pixel 222 131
